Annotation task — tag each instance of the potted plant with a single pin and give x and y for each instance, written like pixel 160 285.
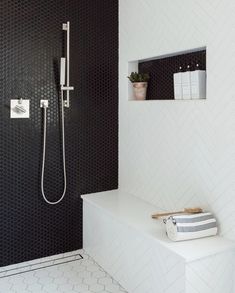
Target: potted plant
pixel 140 84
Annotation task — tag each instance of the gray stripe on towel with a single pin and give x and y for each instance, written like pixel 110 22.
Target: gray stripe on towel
pixel 193 220
pixel 196 228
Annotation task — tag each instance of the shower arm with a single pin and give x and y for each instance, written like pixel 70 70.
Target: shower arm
pixel 67 87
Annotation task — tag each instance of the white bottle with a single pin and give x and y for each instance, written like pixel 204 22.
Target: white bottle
pixel 186 84
pixel 178 94
pixel 198 84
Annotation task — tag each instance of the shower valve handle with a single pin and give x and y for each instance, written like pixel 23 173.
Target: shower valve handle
pixel 20 109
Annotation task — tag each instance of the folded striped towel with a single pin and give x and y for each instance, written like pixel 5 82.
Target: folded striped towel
pixel 186 227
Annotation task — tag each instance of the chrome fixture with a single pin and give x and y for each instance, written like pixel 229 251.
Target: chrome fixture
pixel 67 88
pixel 19 108
pixel 64 87
pixel 44 103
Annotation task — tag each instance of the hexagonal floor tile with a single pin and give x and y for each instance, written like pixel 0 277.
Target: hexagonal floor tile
pixel 78 276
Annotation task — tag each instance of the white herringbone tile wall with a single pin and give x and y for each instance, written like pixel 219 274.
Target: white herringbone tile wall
pixel 178 154
pixel 212 274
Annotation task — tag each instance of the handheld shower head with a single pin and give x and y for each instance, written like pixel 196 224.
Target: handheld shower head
pixel 62 71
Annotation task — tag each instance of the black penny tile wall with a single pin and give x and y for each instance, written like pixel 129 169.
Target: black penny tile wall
pixel 161 84
pixel 31 45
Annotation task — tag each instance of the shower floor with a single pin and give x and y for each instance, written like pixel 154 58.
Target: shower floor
pixel 73 272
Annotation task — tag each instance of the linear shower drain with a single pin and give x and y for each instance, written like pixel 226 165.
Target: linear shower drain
pixel 39 264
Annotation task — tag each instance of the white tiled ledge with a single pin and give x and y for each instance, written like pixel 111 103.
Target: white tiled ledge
pixel 136 213
pixel 121 236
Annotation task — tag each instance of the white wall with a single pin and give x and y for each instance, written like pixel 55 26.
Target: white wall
pixel 179 154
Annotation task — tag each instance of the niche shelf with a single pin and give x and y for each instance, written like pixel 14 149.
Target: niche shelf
pixel 162 69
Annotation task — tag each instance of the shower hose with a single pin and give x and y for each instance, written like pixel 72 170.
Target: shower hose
pixel 44 153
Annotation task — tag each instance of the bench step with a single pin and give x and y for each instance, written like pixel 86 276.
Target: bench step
pixel 121 236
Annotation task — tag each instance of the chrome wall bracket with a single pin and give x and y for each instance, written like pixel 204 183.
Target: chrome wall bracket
pixel 64 27
pixel 44 104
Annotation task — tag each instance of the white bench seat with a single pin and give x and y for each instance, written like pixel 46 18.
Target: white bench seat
pixel 120 234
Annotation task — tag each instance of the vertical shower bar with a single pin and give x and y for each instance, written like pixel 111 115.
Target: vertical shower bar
pixel 67 88
pixel 68 61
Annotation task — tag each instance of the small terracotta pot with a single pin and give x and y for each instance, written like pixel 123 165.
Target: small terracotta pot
pixel 140 90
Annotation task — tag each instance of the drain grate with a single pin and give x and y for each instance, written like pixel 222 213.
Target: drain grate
pixel 34 266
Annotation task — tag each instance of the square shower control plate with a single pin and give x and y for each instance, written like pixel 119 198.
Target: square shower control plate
pixel 19 108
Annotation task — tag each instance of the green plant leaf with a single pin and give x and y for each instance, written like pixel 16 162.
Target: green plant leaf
pixel 138 77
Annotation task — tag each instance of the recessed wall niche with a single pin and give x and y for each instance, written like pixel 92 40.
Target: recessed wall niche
pixel 190 84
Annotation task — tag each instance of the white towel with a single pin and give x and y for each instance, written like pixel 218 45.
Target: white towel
pixel 186 227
